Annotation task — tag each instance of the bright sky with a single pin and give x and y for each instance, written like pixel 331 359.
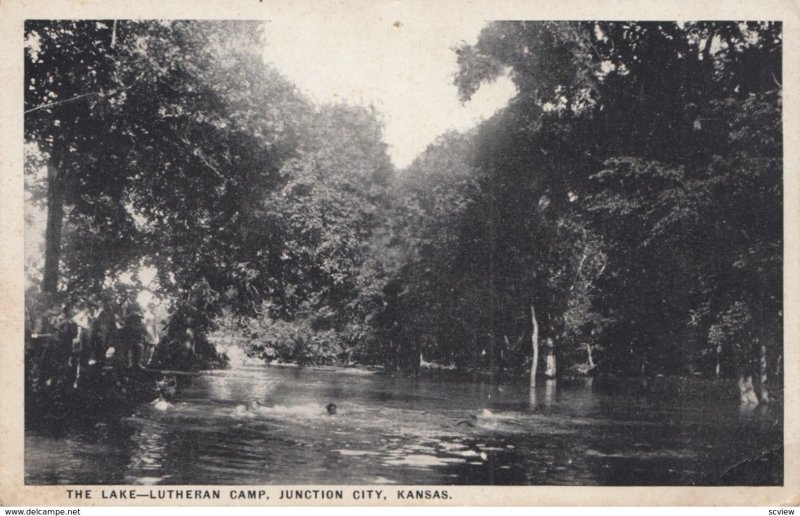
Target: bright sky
pixel 403 67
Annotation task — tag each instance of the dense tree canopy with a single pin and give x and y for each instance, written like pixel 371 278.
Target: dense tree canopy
pixel 331 214
pixel 632 189
pixel 627 203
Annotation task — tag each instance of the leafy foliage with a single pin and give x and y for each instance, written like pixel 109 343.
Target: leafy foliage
pixel 631 193
pixel 168 138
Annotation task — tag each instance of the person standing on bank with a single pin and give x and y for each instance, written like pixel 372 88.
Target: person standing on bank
pixel 81 319
pixel 151 333
pixel 102 328
pixel 131 328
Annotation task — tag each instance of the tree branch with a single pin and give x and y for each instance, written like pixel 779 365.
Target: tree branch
pixel 775 80
pixel 83 95
pixel 52 104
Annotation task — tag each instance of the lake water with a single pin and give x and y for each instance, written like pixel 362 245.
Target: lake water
pixel 406 431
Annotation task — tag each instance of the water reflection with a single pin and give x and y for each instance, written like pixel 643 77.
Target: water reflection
pixel 394 430
pixel 148 446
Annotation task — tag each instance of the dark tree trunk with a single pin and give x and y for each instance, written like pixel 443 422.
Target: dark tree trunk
pixel 492 299
pixel 417 355
pixel 761 343
pixel 535 346
pixel 476 358
pixel 55 218
pixel 763 376
pixel 493 368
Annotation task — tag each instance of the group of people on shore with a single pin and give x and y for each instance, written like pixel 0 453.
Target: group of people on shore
pixel 103 330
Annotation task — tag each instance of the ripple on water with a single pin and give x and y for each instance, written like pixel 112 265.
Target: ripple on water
pixel 452 446
pixel 391 430
pixel 421 461
pixel 148 481
pixel 356 453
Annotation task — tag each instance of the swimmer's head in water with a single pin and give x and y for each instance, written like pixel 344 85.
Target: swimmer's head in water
pixel 254 404
pixel 331 408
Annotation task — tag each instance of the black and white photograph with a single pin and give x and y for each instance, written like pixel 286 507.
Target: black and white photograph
pixel 431 253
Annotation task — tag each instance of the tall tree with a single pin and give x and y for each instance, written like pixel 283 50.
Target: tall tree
pixel 164 140
pixel 628 123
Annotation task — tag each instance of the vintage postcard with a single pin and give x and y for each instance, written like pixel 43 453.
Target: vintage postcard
pixel 399 253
